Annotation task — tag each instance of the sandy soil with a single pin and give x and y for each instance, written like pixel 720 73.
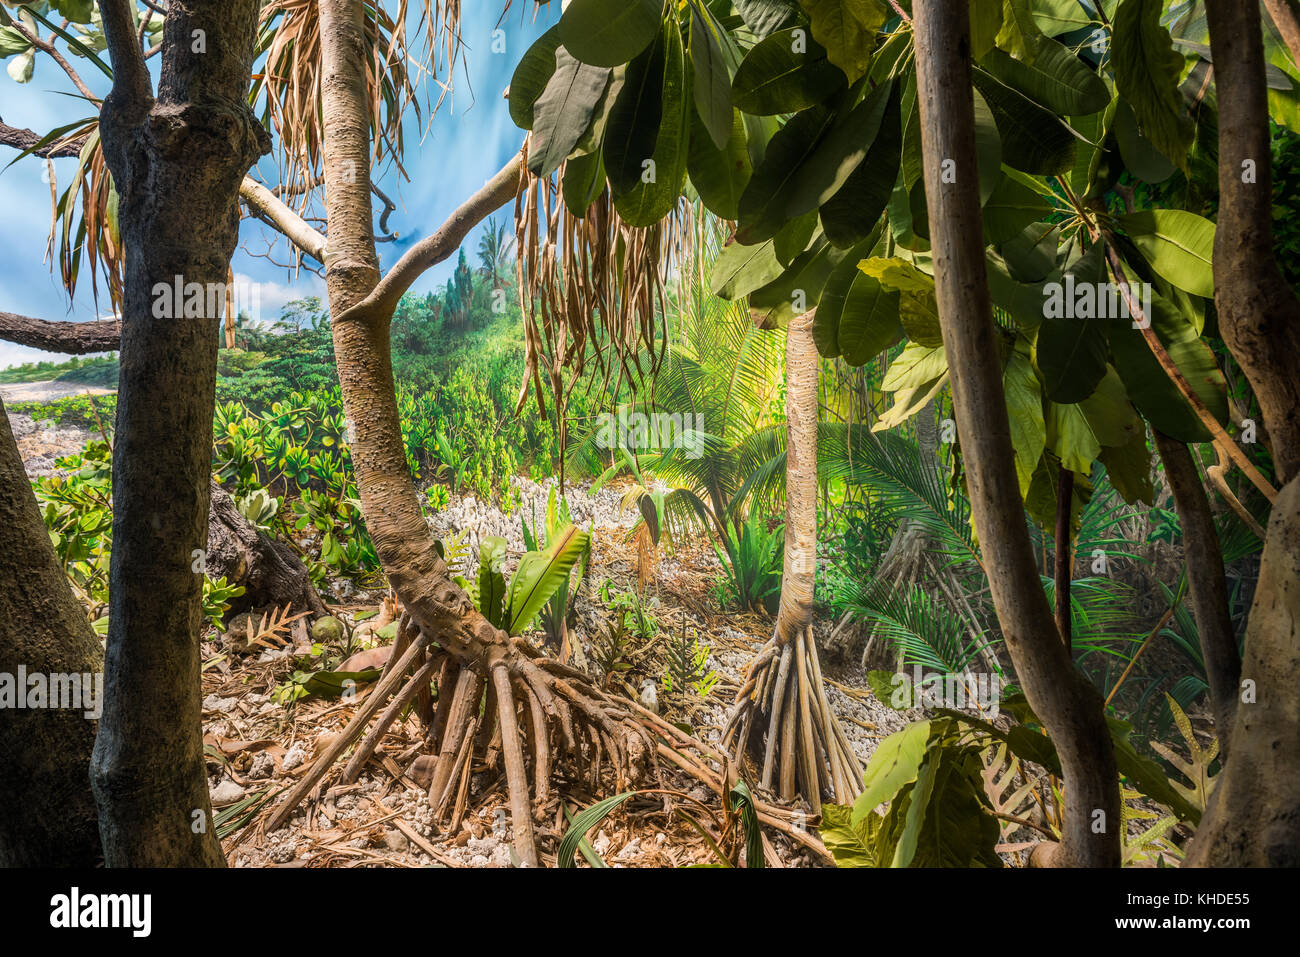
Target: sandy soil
pixel 47 391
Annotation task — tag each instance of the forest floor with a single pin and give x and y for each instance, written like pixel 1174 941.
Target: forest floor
pixel 257 746
pixel 385 818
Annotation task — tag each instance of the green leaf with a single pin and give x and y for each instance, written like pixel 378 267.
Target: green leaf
pixel 1129 468
pixel 847 29
pixel 985 24
pixel 1034 140
pixel 719 176
pixel 1141 158
pixel 1151 390
pixel 870 321
pixel 634 120
pixel 853 212
pixel 1147 72
pixel 740 269
pixel 712 80
pixel 1071 437
pixel 583 822
pixel 852 845
pixel 765 205
pixel 540 575
pixel 918 308
pixel 785 73
pixel 1024 414
pixel 584 181
pixel 763 17
pixel 563 112
pixel 1179 246
pixel 659 187
pixel 1053 76
pixel 492 580
pixel 1070 350
pixel 610 32
pixel 894 764
pixel 916 366
pixel 1011 208
pixel 531 76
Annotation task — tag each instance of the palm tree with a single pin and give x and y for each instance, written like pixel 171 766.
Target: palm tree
pixel 493 250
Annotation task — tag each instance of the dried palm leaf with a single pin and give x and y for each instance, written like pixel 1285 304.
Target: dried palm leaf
pixel 84 218
pixel 592 288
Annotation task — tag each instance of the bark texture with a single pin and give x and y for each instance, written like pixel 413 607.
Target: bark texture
pixel 49 815
pixel 1253 817
pixel 1206 581
pixel 1259 315
pixel 269 570
pixel 781 705
pixel 1068 705
pixel 73 338
pixel 177 162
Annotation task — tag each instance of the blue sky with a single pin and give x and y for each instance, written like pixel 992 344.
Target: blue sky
pixel 469 140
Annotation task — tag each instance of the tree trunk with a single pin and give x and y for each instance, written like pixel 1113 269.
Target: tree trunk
pixel 1286 17
pixel 1253 818
pixel 177 163
pixel 269 570
pixel 49 814
pixel 556 700
pixel 782 701
pixel 1207 582
pixel 1259 315
pixel 1254 814
pixel 1068 705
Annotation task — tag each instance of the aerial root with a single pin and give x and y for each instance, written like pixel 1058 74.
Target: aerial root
pixel 783 700
pixel 523 711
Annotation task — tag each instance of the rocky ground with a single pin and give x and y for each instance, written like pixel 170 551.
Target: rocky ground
pixel 385 817
pixel 257 744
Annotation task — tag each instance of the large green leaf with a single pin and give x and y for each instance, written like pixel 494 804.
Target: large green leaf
pixel 531 77
pixel 712 79
pixel 763 17
pixel 719 176
pixel 918 308
pixel 740 269
pixel 1011 208
pixel 1141 158
pixel 847 29
pixel 894 765
pixel 869 322
pixel 1052 76
pixel 492 580
pixel 853 212
pixel 634 120
pixel 1070 350
pixel 658 188
pixel 765 206
pixel 563 112
pixel 1178 245
pixel 1147 72
pixel 584 181
pixel 1151 390
pixel 540 575
pixel 826 323
pixel 785 73
pixel 808 162
pixel 1024 413
pixel 1034 140
pixel 852 845
pixel 610 32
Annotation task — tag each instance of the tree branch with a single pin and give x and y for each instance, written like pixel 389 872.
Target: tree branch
pixel 21 139
pixel 71 338
pixel 131 84
pixel 436 247
pixel 268 205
